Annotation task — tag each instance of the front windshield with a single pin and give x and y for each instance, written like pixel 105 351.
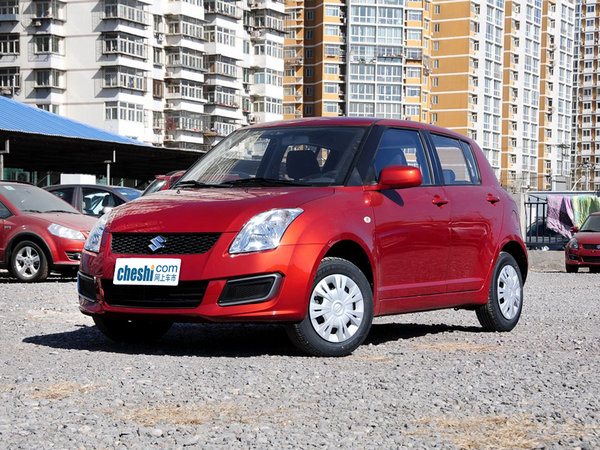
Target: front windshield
pixel 592 223
pixel 27 198
pixel 303 156
pixel 128 193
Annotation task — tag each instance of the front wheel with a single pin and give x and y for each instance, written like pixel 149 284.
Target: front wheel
pixel 570 268
pixel 28 262
pixel 139 331
pixel 505 298
pixel 340 311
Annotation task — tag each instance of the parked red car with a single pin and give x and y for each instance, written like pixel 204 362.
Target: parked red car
pixel 320 224
pixel 583 250
pixel 162 182
pixel 39 232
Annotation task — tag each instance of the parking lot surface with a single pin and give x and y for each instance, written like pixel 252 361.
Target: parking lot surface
pixel 423 380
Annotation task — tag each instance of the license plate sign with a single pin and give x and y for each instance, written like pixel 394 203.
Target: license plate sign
pixel 147 271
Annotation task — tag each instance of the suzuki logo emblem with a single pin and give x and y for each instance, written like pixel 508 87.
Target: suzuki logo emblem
pixel 157 243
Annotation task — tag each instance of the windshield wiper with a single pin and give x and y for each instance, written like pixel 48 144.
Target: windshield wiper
pixel 60 211
pixel 259 181
pixel 31 210
pixel 193 183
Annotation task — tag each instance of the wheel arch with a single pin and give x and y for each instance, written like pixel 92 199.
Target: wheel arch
pixel 28 236
pixel 355 253
pixel 514 249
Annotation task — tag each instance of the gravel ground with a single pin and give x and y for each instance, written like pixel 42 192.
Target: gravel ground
pixel 429 380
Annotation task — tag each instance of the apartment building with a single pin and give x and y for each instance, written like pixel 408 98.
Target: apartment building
pixel 496 71
pixel 176 73
pixel 586 103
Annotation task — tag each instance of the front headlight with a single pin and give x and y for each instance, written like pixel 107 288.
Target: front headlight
pixel 264 231
pixel 573 244
pixel 64 232
pixel 95 237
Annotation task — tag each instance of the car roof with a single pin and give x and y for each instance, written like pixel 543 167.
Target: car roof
pixel 54 186
pixel 358 121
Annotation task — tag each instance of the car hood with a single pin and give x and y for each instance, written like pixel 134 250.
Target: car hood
pixel 207 210
pixel 74 221
pixel 587 237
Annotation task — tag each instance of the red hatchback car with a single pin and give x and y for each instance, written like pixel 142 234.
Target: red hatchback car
pixel 320 224
pixel 583 250
pixel 39 232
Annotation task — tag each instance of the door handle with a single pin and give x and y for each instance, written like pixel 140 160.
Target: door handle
pixel 439 201
pixel 492 199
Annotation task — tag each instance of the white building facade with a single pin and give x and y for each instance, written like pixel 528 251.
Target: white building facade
pixel 179 74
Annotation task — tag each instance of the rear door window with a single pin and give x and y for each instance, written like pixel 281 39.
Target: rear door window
pixel 402 148
pixel 456 159
pixel 65 193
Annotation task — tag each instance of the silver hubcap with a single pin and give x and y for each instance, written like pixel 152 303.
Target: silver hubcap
pixel 336 308
pixel 27 262
pixel 509 292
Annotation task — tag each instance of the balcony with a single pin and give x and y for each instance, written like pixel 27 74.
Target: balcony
pixel 9 11
pixel 223 8
pixel 127 12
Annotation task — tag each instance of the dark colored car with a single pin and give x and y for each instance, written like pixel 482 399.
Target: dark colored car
pixel 94 199
pixel 162 182
pixel 583 250
pixel 318 224
pixel 39 232
pixel 540 237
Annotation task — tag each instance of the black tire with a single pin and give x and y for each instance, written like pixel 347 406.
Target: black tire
pixel 307 338
pixel 138 331
pixel 28 262
pixel 594 269
pixel 571 268
pixel 502 312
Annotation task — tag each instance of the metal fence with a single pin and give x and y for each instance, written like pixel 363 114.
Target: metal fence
pixel 537 235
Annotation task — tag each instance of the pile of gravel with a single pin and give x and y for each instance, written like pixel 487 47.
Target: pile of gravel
pixel 428 380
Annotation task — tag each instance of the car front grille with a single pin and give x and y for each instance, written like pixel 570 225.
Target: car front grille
pixel 591 259
pixel 168 243
pixel 591 246
pixel 188 294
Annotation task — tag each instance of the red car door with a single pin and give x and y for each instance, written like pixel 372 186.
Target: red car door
pixel 411 225
pixel 476 215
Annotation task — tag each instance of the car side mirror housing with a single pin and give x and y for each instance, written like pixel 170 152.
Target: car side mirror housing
pixel 574 229
pixel 397 177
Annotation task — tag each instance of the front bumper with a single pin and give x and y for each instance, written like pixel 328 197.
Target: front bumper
pixel 582 257
pixel 270 286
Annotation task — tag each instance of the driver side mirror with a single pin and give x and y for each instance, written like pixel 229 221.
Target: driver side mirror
pixel 398 177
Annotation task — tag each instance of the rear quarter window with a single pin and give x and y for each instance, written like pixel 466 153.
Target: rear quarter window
pixel 457 160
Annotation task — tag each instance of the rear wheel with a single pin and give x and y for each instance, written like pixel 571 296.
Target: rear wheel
pixel 28 262
pixel 571 268
pixel 505 298
pixel 123 330
pixel 340 311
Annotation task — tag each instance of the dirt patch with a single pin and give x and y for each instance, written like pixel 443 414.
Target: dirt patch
pixel 198 415
pixel 61 390
pixel 491 432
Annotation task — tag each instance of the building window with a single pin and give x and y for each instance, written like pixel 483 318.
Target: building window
pixel 309 34
pixel 331 69
pixel 10 77
pixel 9 7
pixel 9 44
pixel 124 77
pixel 268 76
pixel 131 112
pixel 309 72
pixel 332 30
pixel 49 43
pixel 130 10
pixel 220 35
pixel 49 10
pixel 158 89
pixel 54 109
pixel 330 107
pixel 436 27
pixel 330 88
pixel 125 44
pixel 49 78
pixel 310 15
pixel 333 11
